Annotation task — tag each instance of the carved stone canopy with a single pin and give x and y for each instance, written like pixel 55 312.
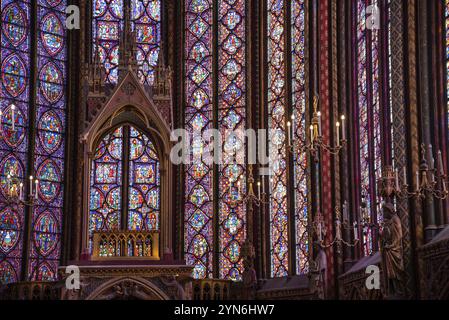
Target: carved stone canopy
pixel 129 92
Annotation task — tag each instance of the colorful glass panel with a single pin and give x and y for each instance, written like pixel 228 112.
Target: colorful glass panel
pixel 299 125
pixel 146 18
pixel 232 124
pixel 107 22
pixel 144 181
pixel 277 118
pixel 106 184
pixel 14 99
pixel 199 115
pixel 49 150
pixel 368 116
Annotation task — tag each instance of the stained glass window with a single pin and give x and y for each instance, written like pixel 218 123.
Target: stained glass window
pixel 199 116
pixel 138 178
pixel 232 116
pixel 144 182
pixel 219 225
pixel 368 113
pixel 46 150
pixel 231 108
pixel 146 18
pixel 299 124
pixel 15 96
pixel 106 184
pixel 277 118
pixel 108 24
pixel 49 143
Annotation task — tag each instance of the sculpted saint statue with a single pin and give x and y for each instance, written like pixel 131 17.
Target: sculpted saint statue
pixel 392 253
pixel 249 275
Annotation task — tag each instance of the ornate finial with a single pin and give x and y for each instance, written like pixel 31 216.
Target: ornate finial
pixel 162 76
pixel 337 213
pixel 128 48
pixel 316 100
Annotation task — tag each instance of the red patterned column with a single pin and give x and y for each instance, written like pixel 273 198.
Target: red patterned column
pixel 325 106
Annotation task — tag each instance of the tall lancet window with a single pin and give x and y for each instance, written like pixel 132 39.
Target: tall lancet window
pixel 199 212
pixel 368 114
pixel 216 62
pixel 286 23
pixel 277 118
pixel 229 105
pixel 108 24
pixel 125 183
pixel 298 13
pixel 32 139
pixel 232 119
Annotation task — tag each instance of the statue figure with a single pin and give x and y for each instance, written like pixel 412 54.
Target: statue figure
pixel 173 283
pixel 392 253
pixel 317 275
pixel 249 275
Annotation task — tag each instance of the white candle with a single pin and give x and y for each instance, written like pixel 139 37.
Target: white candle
pixel 432 161
pixel 417 181
pixel 13 117
pixel 440 163
pixel 405 176
pixel 345 212
pixel 21 191
pixel 8 183
pixel 338 234
pixel 263 185
pixel 356 231
pixel 293 130
pixel 319 232
pixel 343 127
pixel 31 185
pixel 319 123
pixel 36 193
pixel 311 136
pixel 289 126
pixel 338 133
pixel 258 189
pixel 396 177
pixel 293 126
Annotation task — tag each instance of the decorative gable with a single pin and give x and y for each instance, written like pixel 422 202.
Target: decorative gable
pixel 129 92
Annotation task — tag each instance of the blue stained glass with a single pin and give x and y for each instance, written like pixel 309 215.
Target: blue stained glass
pixel 49 141
pixel 14 100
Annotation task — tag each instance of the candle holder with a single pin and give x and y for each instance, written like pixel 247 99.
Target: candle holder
pixel 12 126
pixel 14 195
pixel 249 197
pixel 320 230
pixel 430 181
pixel 316 142
pixel 365 223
